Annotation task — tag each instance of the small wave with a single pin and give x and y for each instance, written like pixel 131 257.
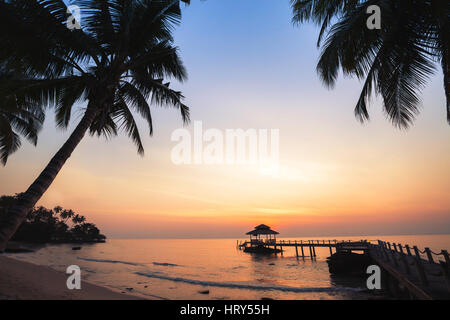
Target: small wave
pixel 166 264
pixel 248 287
pixel 238 267
pixel 109 261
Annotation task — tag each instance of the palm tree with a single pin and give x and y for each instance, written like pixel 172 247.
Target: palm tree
pixel 77 219
pixel 64 214
pixel 17 117
pixel 395 61
pixel 113 65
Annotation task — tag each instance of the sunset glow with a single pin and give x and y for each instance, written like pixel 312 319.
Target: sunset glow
pixel 335 176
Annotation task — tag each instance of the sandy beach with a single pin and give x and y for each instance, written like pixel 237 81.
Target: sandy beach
pixel 25 281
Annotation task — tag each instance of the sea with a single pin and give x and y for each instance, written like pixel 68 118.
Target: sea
pixel 213 268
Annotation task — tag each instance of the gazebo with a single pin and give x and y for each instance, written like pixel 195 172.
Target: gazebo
pixel 262 234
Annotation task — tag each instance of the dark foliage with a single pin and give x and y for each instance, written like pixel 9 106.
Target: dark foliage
pixel 394 62
pixel 52 225
pixel 118 63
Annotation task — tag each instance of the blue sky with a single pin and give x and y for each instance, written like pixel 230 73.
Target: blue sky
pixel 250 67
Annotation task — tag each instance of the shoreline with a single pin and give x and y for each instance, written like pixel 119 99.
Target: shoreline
pixel 20 280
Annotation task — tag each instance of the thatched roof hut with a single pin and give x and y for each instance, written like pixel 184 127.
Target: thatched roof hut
pixel 261 229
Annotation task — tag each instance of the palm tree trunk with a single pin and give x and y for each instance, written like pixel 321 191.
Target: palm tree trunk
pixel 446 69
pixel 27 200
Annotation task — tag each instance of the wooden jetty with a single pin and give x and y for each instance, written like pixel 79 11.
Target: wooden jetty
pixel 301 246
pixel 413 273
pixel 407 271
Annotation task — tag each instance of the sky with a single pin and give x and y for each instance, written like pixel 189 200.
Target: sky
pixel 251 68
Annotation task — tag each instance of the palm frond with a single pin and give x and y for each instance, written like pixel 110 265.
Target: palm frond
pixel 9 140
pixel 134 97
pixel 122 114
pixel 122 58
pixel 160 93
pixel 395 62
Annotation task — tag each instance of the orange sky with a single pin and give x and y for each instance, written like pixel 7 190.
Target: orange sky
pixel 336 176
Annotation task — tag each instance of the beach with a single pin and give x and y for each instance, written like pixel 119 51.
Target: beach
pixel 165 269
pixel 20 280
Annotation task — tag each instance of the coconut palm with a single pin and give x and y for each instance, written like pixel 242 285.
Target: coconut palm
pixel 395 61
pixel 64 214
pixel 114 66
pixel 77 219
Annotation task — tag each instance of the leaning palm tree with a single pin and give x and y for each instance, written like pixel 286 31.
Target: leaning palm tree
pixel 395 61
pixel 111 63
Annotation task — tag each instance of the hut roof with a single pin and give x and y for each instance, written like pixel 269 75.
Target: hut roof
pixel 262 229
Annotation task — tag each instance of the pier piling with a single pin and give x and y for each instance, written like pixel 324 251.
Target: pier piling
pixel 408 250
pixel 446 257
pixel 430 257
pixel 310 250
pixel 408 272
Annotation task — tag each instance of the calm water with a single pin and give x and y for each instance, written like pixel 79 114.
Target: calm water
pixel 179 269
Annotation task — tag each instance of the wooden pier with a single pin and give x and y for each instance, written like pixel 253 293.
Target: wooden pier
pixel 407 271
pixel 308 246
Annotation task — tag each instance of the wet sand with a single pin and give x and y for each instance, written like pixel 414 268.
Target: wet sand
pixel 21 280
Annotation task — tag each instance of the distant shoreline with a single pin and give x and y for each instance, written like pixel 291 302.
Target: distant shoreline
pixel 21 280
pixel 240 236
